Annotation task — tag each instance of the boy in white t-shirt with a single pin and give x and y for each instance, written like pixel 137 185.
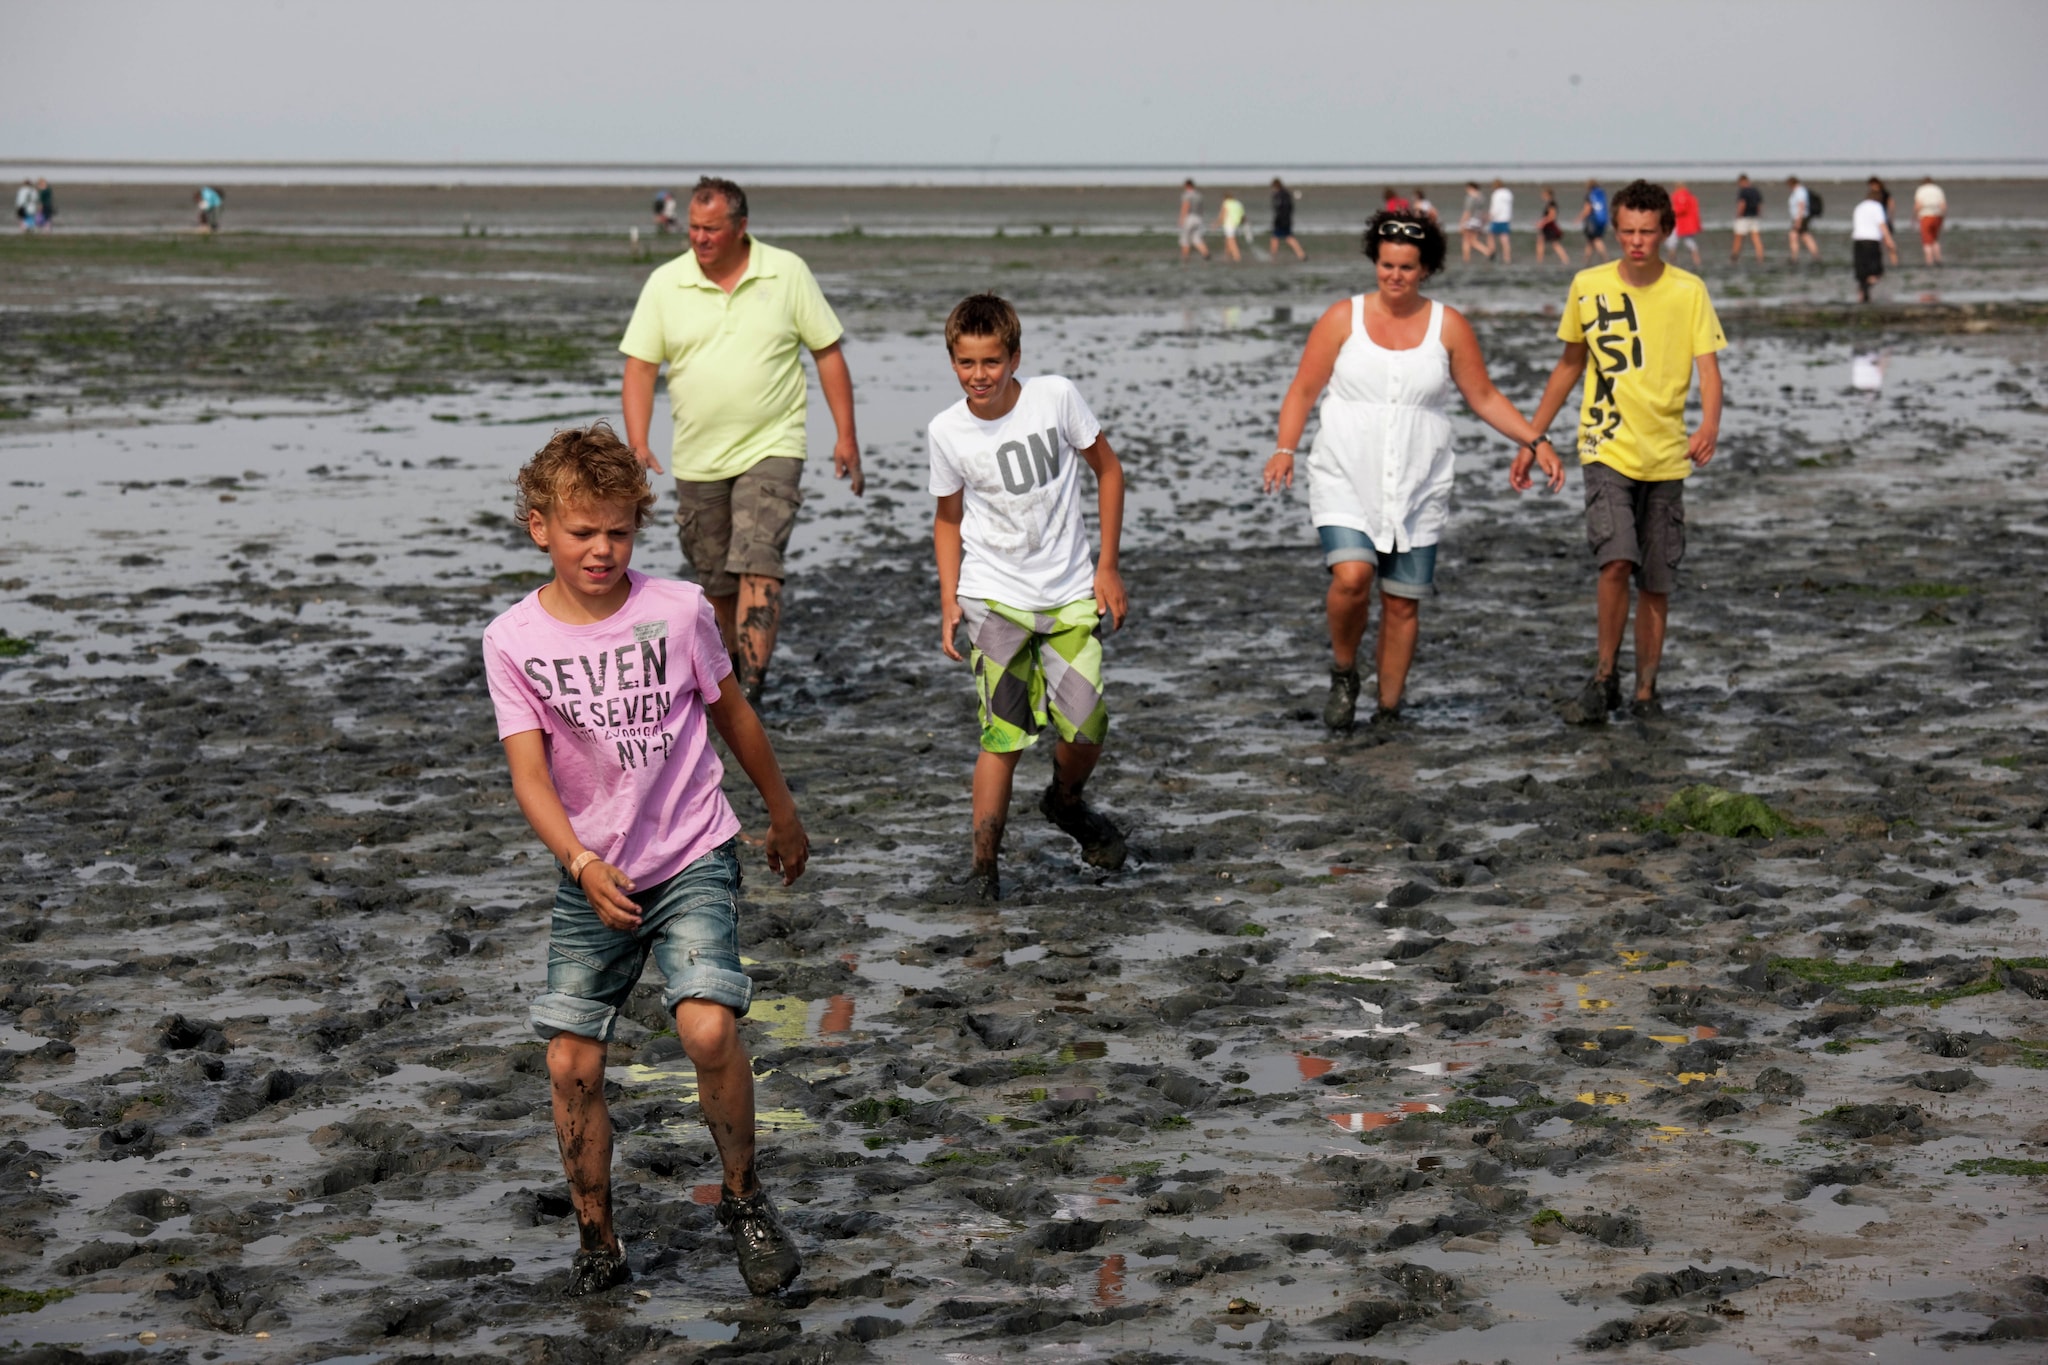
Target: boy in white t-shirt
pixel 604 681
pixel 1014 567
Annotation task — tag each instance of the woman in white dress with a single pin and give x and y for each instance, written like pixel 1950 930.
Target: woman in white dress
pixel 1379 478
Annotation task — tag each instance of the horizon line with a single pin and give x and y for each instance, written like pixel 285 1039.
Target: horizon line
pixel 873 166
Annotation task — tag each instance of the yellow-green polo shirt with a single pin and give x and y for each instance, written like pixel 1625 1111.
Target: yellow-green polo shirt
pixel 735 366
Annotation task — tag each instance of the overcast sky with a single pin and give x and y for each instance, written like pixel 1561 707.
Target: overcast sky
pixel 1045 81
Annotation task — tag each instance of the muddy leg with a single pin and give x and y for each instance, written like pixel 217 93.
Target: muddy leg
pixel 993 775
pixel 1072 762
pixel 759 618
pixel 1398 626
pixel 1614 577
pixel 583 1129
pixel 1348 603
pixel 725 1086
pixel 1651 612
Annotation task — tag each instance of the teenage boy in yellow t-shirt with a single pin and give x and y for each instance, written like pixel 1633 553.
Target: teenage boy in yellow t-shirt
pixel 1645 326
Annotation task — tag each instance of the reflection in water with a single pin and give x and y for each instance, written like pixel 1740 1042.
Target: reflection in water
pixel 706 1194
pixel 1087 1050
pixel 838 1016
pixel 1312 1066
pixel 1866 371
pixel 1368 1121
pixel 1233 318
pixel 1283 316
pixel 1109 1281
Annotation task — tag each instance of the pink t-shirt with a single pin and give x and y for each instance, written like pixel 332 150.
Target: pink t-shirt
pixel 620 706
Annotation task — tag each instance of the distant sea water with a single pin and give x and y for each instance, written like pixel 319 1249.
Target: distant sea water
pixel 426 173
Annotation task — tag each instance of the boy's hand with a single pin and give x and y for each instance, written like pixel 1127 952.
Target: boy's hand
pixel 1700 449
pixel 605 887
pixel 950 617
pixel 1543 457
pixel 846 465
pixel 788 847
pixel 1109 596
pixel 1279 472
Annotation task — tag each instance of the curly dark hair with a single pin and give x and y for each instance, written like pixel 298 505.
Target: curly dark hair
pixel 1430 243
pixel 1645 196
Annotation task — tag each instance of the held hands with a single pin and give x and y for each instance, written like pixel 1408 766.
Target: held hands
pixel 1109 596
pixel 950 617
pixel 1700 448
pixel 788 847
pixel 1542 456
pixel 1279 471
pixel 846 465
pixel 607 888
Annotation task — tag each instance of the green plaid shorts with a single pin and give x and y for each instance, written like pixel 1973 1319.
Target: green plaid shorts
pixel 1035 667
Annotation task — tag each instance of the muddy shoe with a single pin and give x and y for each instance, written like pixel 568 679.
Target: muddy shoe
pixel 984 885
pixel 1102 843
pixel 593 1272
pixel 1595 700
pixel 1647 708
pixel 768 1259
pixel 1341 706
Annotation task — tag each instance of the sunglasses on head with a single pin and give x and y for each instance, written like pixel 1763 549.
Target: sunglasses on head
pixel 1412 231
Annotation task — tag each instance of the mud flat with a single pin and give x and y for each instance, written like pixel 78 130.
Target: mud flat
pixel 1499 1040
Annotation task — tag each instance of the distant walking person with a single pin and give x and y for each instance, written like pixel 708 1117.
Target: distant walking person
pixel 1391 201
pixel 1283 223
pixel 207 200
pixel 46 205
pixel 1799 211
pixel 1472 224
pixel 1930 205
pixel 731 319
pixel 1379 477
pixel 1685 228
pixel 1645 327
pixel 664 213
pixel 1424 207
pixel 1593 221
pixel 1549 235
pixel 25 205
pixel 1191 222
pixel 1749 221
pixel 1500 217
pixel 1230 218
pixel 1870 238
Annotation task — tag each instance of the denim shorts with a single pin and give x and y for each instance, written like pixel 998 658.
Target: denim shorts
pixel 689 922
pixel 1402 573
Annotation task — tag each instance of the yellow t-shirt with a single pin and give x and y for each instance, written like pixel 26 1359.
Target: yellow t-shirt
pixel 735 361
pixel 1641 344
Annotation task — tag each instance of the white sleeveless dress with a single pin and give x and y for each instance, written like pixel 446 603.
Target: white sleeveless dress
pixel 1382 461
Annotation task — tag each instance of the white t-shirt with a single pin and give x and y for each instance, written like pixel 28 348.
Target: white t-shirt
pixel 1866 221
pixel 1020 526
pixel 1503 206
pixel 1798 204
pixel 1930 202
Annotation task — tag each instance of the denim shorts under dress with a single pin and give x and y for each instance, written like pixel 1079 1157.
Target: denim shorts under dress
pixel 1402 573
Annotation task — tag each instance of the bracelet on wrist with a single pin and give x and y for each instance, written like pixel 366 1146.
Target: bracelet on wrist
pixel 1283 450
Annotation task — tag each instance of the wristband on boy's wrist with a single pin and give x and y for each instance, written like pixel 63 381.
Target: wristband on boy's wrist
pixel 582 860
pixel 1283 450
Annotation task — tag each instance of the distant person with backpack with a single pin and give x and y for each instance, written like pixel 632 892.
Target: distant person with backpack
pixel 1802 206
pixel 207 200
pixel 665 213
pixel 1593 221
pixel 25 205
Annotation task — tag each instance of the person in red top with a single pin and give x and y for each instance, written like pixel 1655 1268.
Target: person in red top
pixel 1392 202
pixel 1685 230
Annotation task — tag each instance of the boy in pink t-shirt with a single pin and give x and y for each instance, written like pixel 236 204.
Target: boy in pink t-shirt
pixel 603 680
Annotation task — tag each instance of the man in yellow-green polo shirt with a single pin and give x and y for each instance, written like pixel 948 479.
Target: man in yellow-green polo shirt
pixel 731 320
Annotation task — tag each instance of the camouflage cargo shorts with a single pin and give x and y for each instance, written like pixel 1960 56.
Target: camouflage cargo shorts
pixel 730 527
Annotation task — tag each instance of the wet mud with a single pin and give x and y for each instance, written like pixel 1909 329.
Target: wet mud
pixel 1489 1038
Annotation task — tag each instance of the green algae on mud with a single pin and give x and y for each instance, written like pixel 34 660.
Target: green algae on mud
pixel 1729 814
